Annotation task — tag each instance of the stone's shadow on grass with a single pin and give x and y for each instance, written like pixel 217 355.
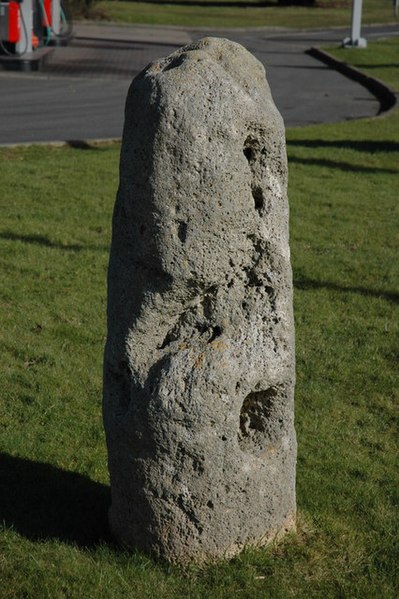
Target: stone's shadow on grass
pixel 100 145
pixel 343 166
pixel 305 284
pixel 44 241
pixel 40 501
pixel 79 144
pixel 359 145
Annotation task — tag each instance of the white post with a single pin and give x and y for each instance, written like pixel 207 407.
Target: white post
pixel 56 17
pixel 26 26
pixel 355 41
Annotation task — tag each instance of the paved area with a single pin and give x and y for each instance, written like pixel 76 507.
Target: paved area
pixel 80 93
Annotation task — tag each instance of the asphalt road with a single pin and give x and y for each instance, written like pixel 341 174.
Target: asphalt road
pixel 80 93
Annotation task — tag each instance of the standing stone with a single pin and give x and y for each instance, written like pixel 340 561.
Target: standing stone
pixel 199 360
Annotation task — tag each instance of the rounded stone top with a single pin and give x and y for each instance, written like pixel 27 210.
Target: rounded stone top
pixel 231 59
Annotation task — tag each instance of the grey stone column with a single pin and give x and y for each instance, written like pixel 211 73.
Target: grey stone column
pixel 199 359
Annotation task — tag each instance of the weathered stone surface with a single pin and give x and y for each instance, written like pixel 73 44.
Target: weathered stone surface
pixel 199 360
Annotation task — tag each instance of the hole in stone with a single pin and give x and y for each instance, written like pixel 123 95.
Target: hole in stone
pixel 182 231
pixel 249 154
pixel 175 62
pixel 249 151
pixel 198 466
pixel 216 332
pixel 270 291
pixel 254 280
pixel 257 194
pixel 142 229
pixel 208 302
pixel 168 339
pixel 262 420
pixel 201 327
pixel 210 504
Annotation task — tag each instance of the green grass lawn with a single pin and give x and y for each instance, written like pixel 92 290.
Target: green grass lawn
pixel 54 237
pixel 211 14
pixel 381 61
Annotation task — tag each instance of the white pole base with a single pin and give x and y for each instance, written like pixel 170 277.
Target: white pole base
pixel 360 42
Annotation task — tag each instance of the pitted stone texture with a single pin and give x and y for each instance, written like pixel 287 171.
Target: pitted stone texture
pixel 199 360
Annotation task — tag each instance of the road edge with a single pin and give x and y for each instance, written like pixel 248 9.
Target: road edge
pixel 386 96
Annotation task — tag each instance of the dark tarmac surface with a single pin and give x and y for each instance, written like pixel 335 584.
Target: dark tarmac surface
pixel 80 93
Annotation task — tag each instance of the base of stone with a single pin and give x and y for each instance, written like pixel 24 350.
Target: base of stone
pixel 120 535
pixel 288 526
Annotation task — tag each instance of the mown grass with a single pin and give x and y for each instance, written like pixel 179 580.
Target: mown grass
pixel 54 236
pixel 380 61
pixel 237 14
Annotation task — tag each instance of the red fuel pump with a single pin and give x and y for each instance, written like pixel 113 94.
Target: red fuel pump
pixel 28 24
pixel 10 22
pixel 47 16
